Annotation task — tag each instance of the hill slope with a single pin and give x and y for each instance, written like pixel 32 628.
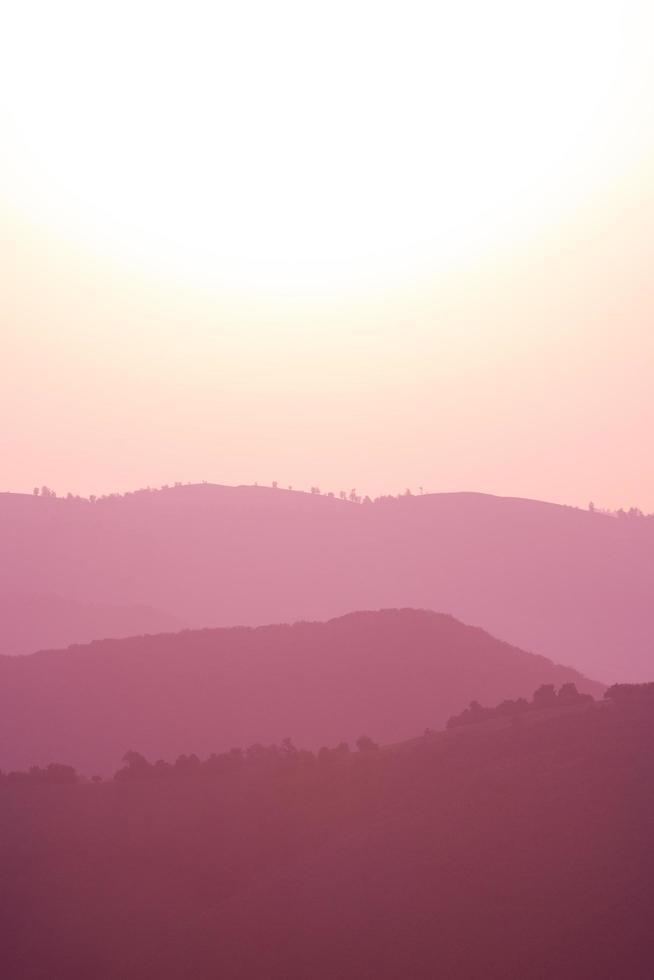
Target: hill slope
pixel 33 622
pixel 571 584
pixel 518 852
pixel 382 674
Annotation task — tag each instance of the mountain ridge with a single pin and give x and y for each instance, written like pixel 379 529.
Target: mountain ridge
pixel 572 584
pixel 379 673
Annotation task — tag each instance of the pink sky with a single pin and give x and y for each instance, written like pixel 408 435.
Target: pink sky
pixel 514 354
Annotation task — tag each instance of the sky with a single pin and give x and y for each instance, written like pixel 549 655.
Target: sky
pixel 371 245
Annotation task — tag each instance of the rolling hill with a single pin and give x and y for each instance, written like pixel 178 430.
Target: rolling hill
pixel 518 851
pixel 383 674
pixel 571 584
pixel 32 622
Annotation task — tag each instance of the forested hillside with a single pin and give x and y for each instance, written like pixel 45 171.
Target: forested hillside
pixel 384 673
pixel 501 849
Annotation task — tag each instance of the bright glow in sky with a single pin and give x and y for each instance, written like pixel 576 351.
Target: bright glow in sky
pixel 258 226
pixel 292 143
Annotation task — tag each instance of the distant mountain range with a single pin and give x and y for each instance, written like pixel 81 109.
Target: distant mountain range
pixel 34 622
pixel 387 674
pixel 571 584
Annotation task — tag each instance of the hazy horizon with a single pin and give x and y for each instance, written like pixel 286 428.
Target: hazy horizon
pixel 372 248
pixel 343 491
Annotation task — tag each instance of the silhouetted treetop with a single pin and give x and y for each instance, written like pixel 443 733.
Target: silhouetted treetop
pixel 544 697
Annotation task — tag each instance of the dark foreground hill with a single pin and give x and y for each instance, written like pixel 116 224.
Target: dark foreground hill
pixel 382 673
pixel 501 850
pixel 574 585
